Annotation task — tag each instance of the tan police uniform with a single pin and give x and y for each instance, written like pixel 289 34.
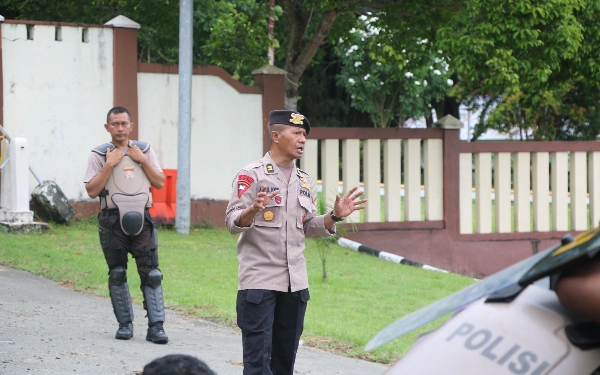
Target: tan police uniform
pixel 270 250
pixel 273 281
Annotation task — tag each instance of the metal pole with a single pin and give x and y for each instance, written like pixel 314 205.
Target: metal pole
pixel 182 219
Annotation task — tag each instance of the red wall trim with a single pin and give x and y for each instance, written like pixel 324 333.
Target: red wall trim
pixel 528 146
pixel 398 225
pixel 515 236
pixel 200 70
pixel 370 133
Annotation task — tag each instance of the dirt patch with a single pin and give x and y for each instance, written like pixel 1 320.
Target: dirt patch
pixel 331 345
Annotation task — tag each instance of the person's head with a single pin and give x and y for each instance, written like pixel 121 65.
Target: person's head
pixel 288 131
pixel 177 364
pixel 118 124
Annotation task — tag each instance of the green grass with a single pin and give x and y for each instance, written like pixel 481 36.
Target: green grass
pixel 361 296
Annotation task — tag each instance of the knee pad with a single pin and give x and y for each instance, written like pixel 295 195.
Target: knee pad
pixel 117 276
pixel 154 278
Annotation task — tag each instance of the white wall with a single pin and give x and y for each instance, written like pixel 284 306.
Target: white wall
pixel 56 95
pixel 226 129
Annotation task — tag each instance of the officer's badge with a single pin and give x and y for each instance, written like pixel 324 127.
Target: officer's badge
pixel 268 215
pixel 270 169
pixel 278 199
pixel 303 179
pixel 128 173
pixel 297 119
pixel 305 185
pixel 244 182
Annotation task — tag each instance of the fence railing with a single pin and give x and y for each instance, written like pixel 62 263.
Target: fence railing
pixel 428 178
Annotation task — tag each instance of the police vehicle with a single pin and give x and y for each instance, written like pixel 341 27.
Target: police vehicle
pixel 509 323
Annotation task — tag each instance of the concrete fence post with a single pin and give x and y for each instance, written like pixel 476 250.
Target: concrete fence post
pixel 125 60
pixel 271 79
pixel 451 138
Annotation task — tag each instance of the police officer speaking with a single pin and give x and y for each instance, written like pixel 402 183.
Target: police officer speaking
pixel 120 173
pixel 272 206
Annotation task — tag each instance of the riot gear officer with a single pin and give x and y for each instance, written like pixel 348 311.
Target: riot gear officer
pixel 121 173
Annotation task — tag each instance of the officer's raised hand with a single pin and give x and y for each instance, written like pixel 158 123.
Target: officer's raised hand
pixel 263 198
pixel 344 206
pixel 260 202
pixel 114 157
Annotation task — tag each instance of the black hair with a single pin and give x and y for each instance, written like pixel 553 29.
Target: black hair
pixel 177 364
pixel 116 111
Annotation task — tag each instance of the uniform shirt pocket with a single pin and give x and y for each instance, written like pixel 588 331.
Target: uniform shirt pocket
pixel 304 210
pixel 271 215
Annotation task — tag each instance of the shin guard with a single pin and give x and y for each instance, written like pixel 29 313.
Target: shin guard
pixel 154 297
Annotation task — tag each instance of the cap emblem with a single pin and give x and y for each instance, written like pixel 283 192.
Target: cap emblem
pixel 297 119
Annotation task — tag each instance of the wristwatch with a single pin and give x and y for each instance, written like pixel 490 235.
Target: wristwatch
pixel 335 218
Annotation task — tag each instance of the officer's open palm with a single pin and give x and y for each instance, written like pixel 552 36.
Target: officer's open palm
pixel 263 198
pixel 347 204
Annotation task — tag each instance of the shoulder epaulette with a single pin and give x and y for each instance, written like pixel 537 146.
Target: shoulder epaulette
pixel 301 171
pixel 144 146
pixel 253 165
pixel 101 150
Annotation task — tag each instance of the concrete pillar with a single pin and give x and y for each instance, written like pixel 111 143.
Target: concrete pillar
pixel 451 126
pixel 125 70
pixel 271 80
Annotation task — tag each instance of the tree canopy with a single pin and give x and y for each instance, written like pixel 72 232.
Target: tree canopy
pixel 530 66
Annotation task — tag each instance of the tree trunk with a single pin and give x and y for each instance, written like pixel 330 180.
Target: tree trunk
pixel 298 56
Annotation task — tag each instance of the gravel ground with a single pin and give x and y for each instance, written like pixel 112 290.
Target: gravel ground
pixel 46 328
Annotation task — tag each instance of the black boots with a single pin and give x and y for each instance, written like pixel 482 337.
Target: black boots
pixel 156 333
pixel 125 331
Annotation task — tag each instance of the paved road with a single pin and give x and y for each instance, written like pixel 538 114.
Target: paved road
pixel 46 328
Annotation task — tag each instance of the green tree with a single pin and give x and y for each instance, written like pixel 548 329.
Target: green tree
pixel 390 85
pixel 526 63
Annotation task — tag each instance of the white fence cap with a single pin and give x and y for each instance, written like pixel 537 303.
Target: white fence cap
pixel 124 22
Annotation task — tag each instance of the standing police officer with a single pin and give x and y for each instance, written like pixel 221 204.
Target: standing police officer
pixel 272 206
pixel 120 174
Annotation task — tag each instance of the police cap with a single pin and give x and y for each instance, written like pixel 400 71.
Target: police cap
pixel 291 118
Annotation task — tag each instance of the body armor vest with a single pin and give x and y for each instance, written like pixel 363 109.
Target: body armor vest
pixel 127 189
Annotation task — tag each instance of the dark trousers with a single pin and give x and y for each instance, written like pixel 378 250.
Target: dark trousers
pixel 271 324
pixel 116 245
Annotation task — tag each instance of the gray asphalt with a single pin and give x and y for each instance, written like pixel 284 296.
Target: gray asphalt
pixel 46 328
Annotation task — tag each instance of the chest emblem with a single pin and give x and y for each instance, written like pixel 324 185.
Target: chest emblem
pixel 268 215
pixel 270 169
pixel 278 199
pixel 244 182
pixel 128 173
